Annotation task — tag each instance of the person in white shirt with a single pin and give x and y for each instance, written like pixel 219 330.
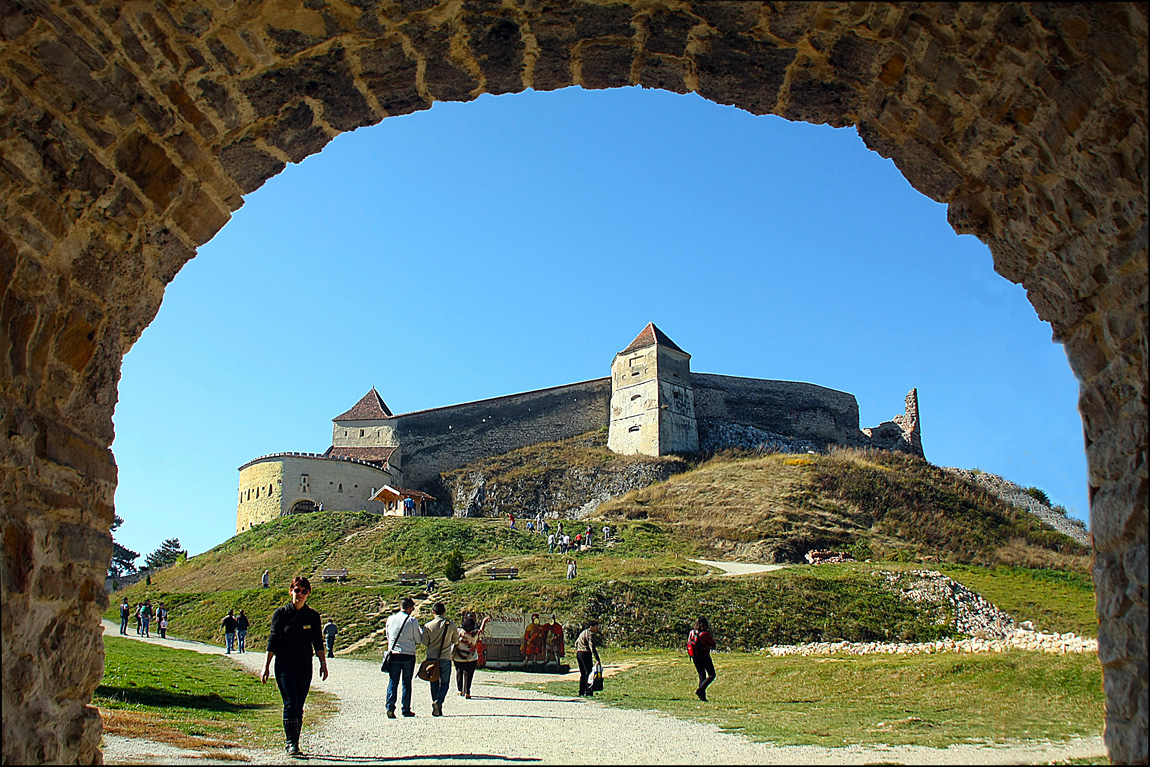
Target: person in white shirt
pixel 551 543
pixel 403 636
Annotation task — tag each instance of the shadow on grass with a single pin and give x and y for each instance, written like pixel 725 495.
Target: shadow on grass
pixel 160 698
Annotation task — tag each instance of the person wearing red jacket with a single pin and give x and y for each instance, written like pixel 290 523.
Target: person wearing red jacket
pixel 699 646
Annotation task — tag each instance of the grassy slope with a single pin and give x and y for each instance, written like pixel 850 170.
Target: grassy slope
pixel 878 505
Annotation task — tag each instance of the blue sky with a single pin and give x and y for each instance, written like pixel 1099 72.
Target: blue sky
pixel 518 242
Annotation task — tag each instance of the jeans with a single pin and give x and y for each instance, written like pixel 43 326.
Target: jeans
pixel 331 645
pixel 147 620
pixel 124 625
pixel 243 635
pixel 400 665
pixel 706 670
pixel 231 639
pixel 464 671
pixel 294 683
pixel 440 687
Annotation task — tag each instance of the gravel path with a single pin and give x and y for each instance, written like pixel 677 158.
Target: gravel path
pixel 738 568
pixel 504 724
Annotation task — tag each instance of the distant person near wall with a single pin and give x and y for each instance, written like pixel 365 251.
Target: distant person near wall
pixel 265 581
pixel 125 614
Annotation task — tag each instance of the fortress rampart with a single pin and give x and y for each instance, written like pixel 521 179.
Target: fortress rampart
pixel 446 438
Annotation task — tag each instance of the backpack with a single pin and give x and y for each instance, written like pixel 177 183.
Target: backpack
pixel 692 640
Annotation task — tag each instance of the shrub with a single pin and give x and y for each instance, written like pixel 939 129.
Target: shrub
pixel 1039 495
pixel 453 565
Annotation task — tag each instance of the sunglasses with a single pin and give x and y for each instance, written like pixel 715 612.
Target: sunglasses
pixel 301 591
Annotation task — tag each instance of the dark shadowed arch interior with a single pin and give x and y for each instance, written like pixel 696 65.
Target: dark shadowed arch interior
pixel 132 130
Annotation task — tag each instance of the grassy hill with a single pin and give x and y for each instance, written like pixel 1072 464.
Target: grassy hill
pixel 874 504
pixel 894 510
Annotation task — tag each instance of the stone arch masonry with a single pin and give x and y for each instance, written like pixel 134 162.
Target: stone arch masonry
pixel 129 132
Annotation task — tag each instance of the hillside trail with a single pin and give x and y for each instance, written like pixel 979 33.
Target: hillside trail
pixel 503 723
pixel 738 568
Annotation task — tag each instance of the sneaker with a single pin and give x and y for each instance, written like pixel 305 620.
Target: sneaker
pixel 436 709
pixel 409 713
pixel 390 714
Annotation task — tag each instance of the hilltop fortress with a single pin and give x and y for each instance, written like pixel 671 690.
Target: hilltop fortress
pixel 652 404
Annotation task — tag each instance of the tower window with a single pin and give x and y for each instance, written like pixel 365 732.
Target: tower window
pixel 361 432
pixel 636 396
pixel 633 428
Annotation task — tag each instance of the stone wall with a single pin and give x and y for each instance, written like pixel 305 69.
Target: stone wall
pixel 448 438
pixel 339 484
pixel 799 410
pixel 130 131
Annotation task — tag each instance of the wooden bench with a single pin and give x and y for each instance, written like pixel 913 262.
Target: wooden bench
pixel 334 575
pixel 412 579
pixel 502 572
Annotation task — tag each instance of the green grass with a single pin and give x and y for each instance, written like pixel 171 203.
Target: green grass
pixel 1054 600
pixel 927 700
pixel 191 699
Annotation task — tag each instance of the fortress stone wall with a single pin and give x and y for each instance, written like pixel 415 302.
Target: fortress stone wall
pixel 272 485
pixel 447 438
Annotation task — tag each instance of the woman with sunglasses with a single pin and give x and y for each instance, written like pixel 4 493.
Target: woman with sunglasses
pixel 294 638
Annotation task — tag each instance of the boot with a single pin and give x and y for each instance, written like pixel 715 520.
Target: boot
pixel 292 728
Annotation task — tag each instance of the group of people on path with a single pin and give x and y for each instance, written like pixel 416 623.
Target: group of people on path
pixel 235 627
pixel 145 614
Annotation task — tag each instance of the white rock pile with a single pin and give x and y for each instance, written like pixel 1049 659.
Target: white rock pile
pixel 1018 639
pixel 989 629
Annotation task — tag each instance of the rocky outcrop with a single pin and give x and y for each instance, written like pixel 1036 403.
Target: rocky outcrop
pixel 564 493
pixel 1017 496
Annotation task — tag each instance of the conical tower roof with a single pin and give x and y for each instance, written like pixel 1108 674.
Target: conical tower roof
pixel 651 336
pixel 370 407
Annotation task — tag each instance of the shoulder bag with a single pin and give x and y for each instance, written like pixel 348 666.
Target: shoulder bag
pixel 429 669
pixel 385 667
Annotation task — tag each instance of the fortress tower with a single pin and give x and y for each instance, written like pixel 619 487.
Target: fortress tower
pixel 652 399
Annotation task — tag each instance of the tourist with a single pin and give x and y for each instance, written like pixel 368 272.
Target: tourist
pixel 584 649
pixel 530 527
pixel 539 522
pixel 436 635
pixel 140 619
pixel 403 636
pixel 241 630
pixel 699 646
pixel 147 614
pixel 125 613
pixel 293 639
pixel 606 533
pixel 265 581
pixel 229 624
pixel 551 543
pixel 431 585
pixel 511 517
pixel 466 652
pixel 329 632
pixel 566 543
pixel 571 570
pixel 162 620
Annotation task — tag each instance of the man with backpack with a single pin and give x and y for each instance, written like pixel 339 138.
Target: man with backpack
pixel 699 646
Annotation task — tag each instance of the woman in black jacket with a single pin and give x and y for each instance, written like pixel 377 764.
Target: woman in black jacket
pixel 294 638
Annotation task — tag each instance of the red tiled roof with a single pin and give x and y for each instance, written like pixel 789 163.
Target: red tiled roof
pixel 379 455
pixel 387 492
pixel 370 407
pixel 650 336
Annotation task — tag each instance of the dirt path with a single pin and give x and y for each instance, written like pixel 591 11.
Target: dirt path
pixel 738 568
pixel 506 724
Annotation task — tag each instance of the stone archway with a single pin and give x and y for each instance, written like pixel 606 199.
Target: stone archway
pixel 130 131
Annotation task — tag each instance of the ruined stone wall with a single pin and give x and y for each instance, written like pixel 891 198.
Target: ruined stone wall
pixel 129 132
pixel 822 416
pixel 446 438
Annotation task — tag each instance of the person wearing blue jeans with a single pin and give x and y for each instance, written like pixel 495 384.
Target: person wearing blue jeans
pixel 403 636
pixel 440 635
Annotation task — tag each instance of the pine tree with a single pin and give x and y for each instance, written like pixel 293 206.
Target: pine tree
pixel 168 553
pixel 123 559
